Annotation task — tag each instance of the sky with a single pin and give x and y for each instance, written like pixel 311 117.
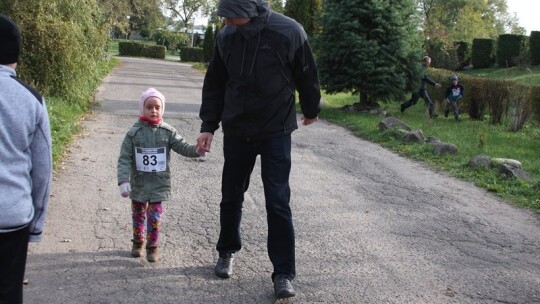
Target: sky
pixel 527 13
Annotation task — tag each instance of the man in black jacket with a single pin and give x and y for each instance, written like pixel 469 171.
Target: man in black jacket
pixel 260 59
pixel 422 92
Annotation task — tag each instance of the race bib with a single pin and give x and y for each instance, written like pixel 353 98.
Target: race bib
pixel 151 159
pixel 456 92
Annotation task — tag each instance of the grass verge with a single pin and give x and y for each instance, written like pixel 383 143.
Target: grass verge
pixel 65 115
pixel 471 137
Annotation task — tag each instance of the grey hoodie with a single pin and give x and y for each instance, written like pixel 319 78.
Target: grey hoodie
pixel 25 156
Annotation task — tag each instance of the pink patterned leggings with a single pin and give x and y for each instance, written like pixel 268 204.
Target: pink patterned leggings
pixel 146 217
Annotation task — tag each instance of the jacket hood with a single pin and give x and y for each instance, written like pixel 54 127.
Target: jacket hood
pixel 242 8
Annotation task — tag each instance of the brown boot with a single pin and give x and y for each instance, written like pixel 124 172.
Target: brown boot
pixel 136 250
pixel 152 254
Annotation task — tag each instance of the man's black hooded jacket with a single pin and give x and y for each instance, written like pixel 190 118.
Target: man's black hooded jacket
pixel 254 71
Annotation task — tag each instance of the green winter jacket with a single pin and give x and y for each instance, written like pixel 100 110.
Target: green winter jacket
pixel 150 186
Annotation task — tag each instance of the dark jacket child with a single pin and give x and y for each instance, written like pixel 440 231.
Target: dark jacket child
pixel 453 94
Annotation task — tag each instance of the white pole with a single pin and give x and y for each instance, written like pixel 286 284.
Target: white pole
pixel 193 32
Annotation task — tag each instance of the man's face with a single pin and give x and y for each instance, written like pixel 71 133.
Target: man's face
pixel 427 62
pixel 236 21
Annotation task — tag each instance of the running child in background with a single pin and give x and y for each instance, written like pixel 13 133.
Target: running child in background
pixel 453 94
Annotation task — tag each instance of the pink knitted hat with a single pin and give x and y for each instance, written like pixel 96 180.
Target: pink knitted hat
pixel 151 92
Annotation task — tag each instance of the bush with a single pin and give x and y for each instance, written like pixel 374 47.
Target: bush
pixel 509 47
pixel 520 108
pixel 482 53
pixel 498 98
pixel 130 48
pixel 61 46
pixel 463 53
pixel 534 47
pixel 191 54
pixel 534 98
pixel 471 103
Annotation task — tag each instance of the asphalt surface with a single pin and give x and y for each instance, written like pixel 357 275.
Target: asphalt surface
pixel 371 226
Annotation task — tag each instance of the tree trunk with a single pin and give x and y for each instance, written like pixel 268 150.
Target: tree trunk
pixel 363 97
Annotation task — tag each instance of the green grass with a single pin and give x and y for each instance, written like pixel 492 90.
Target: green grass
pixel 530 76
pixel 471 137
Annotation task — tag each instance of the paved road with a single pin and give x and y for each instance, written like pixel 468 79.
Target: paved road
pixel 372 227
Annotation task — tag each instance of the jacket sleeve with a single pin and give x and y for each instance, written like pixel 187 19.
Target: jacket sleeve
pixel 306 77
pixel 180 146
pixel 428 80
pixel 41 148
pixel 213 93
pixel 125 160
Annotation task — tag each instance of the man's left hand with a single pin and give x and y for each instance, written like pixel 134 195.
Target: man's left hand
pixel 308 121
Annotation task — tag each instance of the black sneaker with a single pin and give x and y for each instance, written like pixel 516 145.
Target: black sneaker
pixel 224 266
pixel 283 287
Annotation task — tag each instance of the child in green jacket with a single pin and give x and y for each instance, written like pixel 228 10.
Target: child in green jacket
pixel 143 170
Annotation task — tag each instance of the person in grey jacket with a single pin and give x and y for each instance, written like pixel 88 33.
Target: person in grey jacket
pixel 261 58
pixel 143 170
pixel 26 156
pixel 422 92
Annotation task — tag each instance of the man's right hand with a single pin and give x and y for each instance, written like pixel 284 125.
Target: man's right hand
pixel 204 141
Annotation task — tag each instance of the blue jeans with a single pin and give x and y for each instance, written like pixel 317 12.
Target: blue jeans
pixel 240 156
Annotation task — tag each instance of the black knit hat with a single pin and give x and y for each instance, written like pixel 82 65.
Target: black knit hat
pixel 10 41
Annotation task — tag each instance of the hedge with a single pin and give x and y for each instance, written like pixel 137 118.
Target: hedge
pixel 509 47
pixel 482 55
pixel 191 54
pixel 534 47
pixel 496 100
pixel 131 48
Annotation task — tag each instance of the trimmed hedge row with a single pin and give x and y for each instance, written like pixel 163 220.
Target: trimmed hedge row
pixel 534 46
pixel 509 47
pixel 496 100
pixel 191 54
pixel 482 53
pixel 131 48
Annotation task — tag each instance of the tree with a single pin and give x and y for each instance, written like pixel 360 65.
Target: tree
pixel 186 10
pixel 147 19
pixel 276 5
pixel 144 16
pixel 371 47
pixel 208 43
pixel 465 20
pixel 63 44
pixel 306 12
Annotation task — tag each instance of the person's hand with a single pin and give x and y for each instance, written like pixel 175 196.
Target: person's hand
pixel 201 151
pixel 204 142
pixel 437 85
pixel 308 121
pixel 125 189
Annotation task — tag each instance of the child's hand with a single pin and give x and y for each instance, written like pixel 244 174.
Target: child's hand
pixel 204 141
pixel 125 189
pixel 201 151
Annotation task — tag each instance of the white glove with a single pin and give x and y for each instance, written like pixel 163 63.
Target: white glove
pixel 125 189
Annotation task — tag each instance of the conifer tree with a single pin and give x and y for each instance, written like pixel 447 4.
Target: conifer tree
pixel 372 47
pixel 305 12
pixel 208 43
